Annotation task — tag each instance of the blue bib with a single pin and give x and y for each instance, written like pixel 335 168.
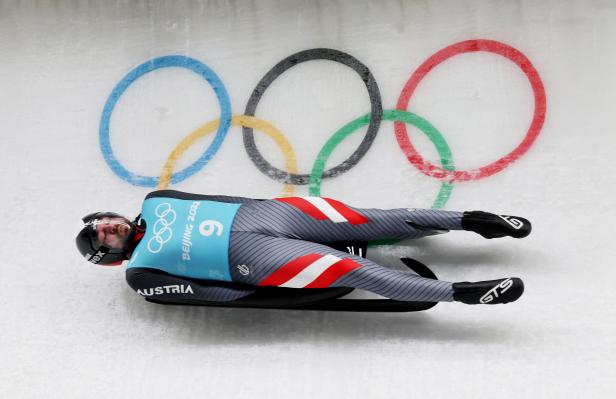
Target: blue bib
pixel 187 238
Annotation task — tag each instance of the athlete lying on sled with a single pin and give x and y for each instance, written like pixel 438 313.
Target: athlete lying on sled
pixel 296 252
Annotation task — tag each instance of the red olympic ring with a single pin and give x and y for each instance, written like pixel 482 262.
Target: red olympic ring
pixel 466 47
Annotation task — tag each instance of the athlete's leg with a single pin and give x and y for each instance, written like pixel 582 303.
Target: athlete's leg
pixel 327 220
pixel 264 260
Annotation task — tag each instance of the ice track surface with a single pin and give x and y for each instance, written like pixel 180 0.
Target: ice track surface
pixel 520 95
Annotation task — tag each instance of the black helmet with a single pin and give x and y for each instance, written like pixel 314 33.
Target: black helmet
pixel 93 245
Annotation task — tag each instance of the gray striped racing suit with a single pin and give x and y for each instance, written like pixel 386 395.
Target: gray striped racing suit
pixel 282 242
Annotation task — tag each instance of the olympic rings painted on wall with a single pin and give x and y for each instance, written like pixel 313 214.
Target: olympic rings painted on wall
pixel 376 111
pixel 237 120
pixel 460 48
pixel 446 172
pixel 390 115
pixel 149 66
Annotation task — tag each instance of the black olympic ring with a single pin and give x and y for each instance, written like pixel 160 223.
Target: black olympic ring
pixel 376 113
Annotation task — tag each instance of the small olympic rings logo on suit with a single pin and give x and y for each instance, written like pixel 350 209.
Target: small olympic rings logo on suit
pixel 162 227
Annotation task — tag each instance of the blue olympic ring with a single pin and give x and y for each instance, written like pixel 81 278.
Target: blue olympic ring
pixel 149 66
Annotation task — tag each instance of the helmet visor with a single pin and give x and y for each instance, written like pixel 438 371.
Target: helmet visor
pixel 111 232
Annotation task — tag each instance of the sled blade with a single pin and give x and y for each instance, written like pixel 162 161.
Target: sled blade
pixel 419 268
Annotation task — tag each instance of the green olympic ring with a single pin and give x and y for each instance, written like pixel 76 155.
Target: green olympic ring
pixel 390 115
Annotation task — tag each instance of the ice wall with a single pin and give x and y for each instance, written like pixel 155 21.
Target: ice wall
pixel 511 103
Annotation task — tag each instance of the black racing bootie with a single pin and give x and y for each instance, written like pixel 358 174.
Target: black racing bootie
pixel 488 292
pixel 490 225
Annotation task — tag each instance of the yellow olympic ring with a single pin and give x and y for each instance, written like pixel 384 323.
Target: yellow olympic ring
pixel 237 120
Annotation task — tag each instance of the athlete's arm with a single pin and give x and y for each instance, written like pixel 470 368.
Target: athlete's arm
pixel 164 287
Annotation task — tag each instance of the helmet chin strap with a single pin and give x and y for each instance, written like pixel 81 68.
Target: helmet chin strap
pixel 135 236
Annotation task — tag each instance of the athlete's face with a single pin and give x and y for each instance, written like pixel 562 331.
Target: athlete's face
pixel 113 232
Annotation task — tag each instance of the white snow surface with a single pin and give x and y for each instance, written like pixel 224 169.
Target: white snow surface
pixel 70 329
